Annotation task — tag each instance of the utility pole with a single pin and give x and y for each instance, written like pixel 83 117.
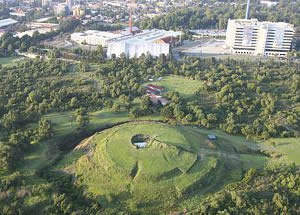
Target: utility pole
pixel 247 10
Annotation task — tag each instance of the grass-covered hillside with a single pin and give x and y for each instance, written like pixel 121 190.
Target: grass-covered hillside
pixel 178 164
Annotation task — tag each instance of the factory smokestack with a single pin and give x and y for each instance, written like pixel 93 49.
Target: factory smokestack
pixel 131 5
pixel 247 10
pixel 130 21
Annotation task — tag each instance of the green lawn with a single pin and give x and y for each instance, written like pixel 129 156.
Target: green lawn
pixel 7 60
pixel 184 86
pixel 253 161
pixel 239 142
pixel 289 147
pixel 65 122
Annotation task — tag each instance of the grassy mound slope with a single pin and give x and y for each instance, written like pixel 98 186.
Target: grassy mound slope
pixel 177 165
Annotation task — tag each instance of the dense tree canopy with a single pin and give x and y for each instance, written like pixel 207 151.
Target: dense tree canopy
pixel 217 15
pixel 272 191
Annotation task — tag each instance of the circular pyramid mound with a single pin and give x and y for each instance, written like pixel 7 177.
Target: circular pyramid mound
pixel 176 164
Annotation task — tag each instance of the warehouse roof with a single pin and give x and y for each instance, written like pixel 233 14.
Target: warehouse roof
pixel 147 36
pixel 102 34
pixel 6 22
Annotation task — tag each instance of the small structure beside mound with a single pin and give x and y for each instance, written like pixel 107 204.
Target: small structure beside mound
pixel 140 140
pixel 212 137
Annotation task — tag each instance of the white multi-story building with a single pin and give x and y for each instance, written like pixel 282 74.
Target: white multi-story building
pixel 154 42
pixel 251 37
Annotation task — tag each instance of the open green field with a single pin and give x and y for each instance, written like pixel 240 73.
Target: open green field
pixel 65 122
pixel 178 164
pixel 288 147
pixel 184 86
pixel 7 60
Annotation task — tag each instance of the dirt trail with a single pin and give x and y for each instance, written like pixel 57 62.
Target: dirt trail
pixel 84 143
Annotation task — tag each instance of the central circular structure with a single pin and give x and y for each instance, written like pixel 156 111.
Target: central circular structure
pixel 140 140
pixel 150 164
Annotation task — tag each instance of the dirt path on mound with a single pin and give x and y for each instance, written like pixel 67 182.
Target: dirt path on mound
pixel 84 143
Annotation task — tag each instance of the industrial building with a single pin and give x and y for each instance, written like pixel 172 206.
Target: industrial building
pixel 7 22
pixel 251 37
pixel 131 41
pixel 154 42
pixel 93 37
pixel 134 43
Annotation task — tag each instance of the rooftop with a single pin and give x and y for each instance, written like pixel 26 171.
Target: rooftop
pixel 148 36
pixel 44 19
pixel 103 34
pixel 211 137
pixel 6 22
pixel 155 87
pixel 255 22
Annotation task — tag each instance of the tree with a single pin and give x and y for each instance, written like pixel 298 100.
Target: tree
pixel 116 107
pixel 189 118
pixel 82 119
pixel 54 54
pixel 10 120
pixel 74 102
pixel 10 48
pixel 278 200
pixel 82 67
pixel 135 112
pixel 145 103
pixel 101 52
pixel 7 156
pixel 45 129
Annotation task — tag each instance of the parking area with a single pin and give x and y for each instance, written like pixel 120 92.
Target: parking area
pixel 63 41
pixel 204 47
